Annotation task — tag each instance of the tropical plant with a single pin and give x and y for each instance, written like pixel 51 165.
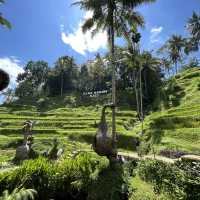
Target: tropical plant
pixel 63 77
pixel 19 194
pixel 173 48
pixel 193 27
pixel 111 15
pixel 33 79
pixel 4 21
pixel 166 64
pixel 61 65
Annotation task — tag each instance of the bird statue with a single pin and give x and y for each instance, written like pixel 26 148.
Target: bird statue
pixel 103 143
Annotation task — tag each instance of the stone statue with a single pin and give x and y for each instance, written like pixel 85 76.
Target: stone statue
pixel 103 144
pixel 54 153
pixel 27 130
pixel 25 151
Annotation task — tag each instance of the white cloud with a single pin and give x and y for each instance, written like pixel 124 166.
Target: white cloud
pixel 155 34
pixel 13 67
pixel 81 42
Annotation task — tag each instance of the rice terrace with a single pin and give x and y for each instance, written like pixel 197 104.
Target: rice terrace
pixel 100 100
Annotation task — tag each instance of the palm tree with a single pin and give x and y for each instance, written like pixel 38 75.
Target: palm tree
pixel 166 64
pixel 4 21
pixel 19 194
pixel 193 27
pixel 109 15
pixel 146 61
pixel 61 64
pixel 173 48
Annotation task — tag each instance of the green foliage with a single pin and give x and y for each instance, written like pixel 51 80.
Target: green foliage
pixel 32 81
pixel 19 194
pixel 113 182
pixel 63 77
pixel 83 177
pixel 144 148
pixel 177 181
pixel 193 26
pixel 3 21
pixel 173 48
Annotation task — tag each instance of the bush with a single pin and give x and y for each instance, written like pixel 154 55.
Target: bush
pixel 84 177
pixel 176 180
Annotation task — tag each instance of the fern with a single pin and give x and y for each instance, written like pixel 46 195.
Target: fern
pixel 19 194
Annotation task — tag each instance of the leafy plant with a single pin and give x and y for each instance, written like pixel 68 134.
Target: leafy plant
pixel 19 194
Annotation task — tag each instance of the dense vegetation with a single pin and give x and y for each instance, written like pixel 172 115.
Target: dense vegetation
pixel 157 113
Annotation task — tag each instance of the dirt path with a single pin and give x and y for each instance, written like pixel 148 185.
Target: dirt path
pixel 134 156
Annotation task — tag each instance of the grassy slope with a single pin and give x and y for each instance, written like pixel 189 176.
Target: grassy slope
pixel 178 127
pixel 74 126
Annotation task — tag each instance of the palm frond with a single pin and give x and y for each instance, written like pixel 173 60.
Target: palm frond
pixel 5 22
pixel 88 24
pixel 134 3
pixel 2 1
pixel 135 18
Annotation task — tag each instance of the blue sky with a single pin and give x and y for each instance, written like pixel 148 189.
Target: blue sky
pixel 47 29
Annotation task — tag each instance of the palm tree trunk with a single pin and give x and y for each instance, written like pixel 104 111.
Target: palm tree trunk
pixel 176 66
pixel 61 87
pixel 136 93
pixel 113 88
pixel 141 98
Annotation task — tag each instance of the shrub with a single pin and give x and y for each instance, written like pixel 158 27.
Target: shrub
pixel 19 194
pixel 177 180
pixel 83 177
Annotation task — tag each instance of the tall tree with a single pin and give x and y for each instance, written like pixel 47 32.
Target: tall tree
pixel 193 27
pixel 63 76
pixel 33 79
pixel 107 16
pixel 166 64
pixel 174 47
pixel 4 21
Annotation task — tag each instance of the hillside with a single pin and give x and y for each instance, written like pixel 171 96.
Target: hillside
pixel 174 128
pixel 178 126
pixel 74 127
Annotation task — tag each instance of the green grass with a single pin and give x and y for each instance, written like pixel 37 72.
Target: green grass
pixel 69 125
pixel 178 126
pixel 144 190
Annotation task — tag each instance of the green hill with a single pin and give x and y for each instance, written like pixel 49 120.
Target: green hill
pixel 75 127
pixel 178 126
pixel 175 127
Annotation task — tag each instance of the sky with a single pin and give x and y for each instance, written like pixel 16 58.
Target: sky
pixel 48 29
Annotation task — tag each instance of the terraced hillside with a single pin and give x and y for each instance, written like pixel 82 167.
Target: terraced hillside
pixel 174 128
pixel 178 127
pixel 75 127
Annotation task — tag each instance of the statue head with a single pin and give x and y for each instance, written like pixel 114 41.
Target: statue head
pixel 4 80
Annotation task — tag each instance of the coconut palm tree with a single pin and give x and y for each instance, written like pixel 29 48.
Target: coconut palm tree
pixel 4 21
pixel 109 15
pixel 166 64
pixel 193 27
pixel 62 64
pixel 173 48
